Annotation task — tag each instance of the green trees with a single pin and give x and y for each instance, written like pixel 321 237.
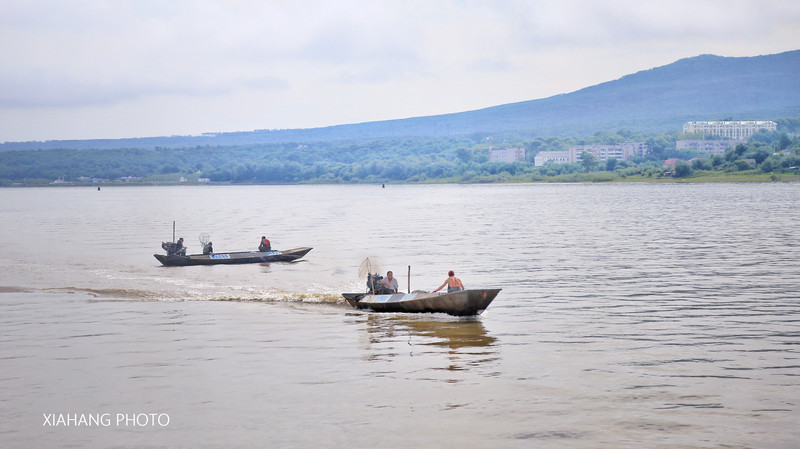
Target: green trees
pixel 464 155
pixel 589 161
pixel 784 142
pixel 394 160
pixel 683 169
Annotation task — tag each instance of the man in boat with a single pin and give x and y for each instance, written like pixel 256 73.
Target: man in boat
pixel 389 282
pixel 208 248
pixel 265 245
pixel 453 283
pixel 176 248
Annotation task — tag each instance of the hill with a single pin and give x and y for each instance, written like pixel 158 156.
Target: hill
pixel 705 87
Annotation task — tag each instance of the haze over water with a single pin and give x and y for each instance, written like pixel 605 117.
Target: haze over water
pixel 632 315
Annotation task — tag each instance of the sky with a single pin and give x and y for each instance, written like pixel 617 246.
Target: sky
pixel 80 69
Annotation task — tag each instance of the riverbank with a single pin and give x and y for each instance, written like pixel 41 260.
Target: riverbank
pixel 592 177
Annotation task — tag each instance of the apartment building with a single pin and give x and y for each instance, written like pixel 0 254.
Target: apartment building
pixel 556 157
pixel 732 129
pixel 710 146
pixel 516 154
pixel 620 152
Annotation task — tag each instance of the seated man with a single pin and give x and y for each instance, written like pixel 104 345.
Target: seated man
pixel 176 248
pixel 388 283
pixel 265 245
pixel 208 248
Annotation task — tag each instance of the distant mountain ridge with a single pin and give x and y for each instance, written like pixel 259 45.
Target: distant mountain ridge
pixel 705 87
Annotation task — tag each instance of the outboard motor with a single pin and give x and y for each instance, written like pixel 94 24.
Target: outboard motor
pixel 172 249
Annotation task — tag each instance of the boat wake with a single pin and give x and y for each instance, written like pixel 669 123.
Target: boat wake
pixel 107 293
pixel 249 295
pixel 290 297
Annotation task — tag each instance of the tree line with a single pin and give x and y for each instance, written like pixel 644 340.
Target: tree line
pixel 464 159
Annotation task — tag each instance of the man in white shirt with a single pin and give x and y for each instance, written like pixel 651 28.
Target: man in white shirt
pixel 389 282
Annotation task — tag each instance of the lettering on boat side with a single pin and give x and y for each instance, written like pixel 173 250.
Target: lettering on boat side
pixel 220 256
pixel 272 253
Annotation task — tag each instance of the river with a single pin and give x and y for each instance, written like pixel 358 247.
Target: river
pixel 631 316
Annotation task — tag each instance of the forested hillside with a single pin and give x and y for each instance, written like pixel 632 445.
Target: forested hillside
pixel 648 106
pixel 658 100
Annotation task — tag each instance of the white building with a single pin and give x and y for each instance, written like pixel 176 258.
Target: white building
pixel 620 152
pixel 711 146
pixel 732 129
pixel 507 154
pixel 557 157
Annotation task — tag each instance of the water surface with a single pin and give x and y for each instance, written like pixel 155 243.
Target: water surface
pixel 632 315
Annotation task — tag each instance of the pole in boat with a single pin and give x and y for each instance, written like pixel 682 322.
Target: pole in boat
pixel 409 279
pixel 173 231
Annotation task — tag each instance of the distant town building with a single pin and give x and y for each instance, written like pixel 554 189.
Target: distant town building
pixel 556 157
pixel 732 129
pixel 92 180
pixel 711 146
pixel 508 154
pixel 620 152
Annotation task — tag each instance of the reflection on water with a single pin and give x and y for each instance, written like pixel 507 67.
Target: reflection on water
pixel 465 341
pixel 455 335
pixel 448 333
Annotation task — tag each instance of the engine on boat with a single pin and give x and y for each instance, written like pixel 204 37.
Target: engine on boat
pixel 172 249
pixel 374 286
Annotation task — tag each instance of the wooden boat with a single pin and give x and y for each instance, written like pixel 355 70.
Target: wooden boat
pixel 461 303
pixel 236 257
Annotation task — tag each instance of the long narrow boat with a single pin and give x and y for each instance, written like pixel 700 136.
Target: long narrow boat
pixel 232 257
pixel 462 303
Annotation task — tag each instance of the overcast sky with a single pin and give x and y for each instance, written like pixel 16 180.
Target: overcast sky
pixel 138 68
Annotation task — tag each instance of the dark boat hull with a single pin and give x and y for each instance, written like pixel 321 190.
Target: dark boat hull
pixel 463 303
pixel 238 257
